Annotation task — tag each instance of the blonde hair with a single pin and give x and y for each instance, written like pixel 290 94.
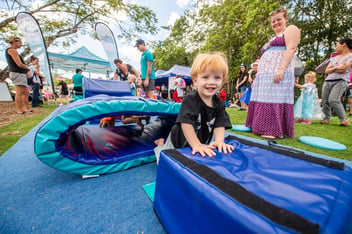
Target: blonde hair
pixel 132 77
pixel 215 61
pixel 278 11
pixel 311 76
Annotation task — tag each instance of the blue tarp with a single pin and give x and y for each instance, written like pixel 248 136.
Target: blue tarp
pixel 185 72
pixel 112 88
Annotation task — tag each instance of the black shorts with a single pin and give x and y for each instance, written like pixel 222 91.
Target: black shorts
pixel 64 92
pixel 78 89
pixel 151 85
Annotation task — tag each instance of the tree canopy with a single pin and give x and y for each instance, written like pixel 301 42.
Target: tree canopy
pixel 239 28
pixel 64 18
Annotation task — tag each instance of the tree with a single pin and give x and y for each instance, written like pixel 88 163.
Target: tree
pixel 322 23
pixel 242 28
pixel 64 18
pixel 238 28
pixel 174 49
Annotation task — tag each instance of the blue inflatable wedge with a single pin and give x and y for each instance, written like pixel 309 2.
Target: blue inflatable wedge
pixel 255 189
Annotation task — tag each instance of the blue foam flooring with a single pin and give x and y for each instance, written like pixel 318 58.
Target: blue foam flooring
pixel 35 198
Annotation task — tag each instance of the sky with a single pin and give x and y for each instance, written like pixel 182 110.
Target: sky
pixel 167 11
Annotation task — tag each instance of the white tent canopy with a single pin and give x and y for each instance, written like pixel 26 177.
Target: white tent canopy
pixel 82 59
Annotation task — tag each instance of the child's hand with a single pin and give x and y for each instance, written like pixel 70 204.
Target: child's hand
pixel 222 147
pixel 203 150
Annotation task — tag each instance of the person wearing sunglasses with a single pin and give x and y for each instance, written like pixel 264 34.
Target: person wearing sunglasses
pixel 18 74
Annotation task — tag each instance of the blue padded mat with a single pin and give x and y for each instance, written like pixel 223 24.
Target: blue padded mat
pixel 254 188
pixel 321 143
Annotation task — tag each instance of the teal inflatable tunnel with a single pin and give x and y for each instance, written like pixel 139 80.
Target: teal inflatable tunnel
pixel 66 142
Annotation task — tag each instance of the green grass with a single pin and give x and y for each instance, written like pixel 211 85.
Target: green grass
pixel 11 133
pixel 332 131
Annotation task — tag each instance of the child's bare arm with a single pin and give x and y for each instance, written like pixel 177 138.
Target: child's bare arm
pixel 194 142
pixel 299 86
pixel 219 136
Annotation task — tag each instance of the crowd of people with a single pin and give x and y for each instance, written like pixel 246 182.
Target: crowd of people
pixel 266 91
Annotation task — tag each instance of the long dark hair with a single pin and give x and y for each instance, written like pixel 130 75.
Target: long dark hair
pixel 241 72
pixel 347 41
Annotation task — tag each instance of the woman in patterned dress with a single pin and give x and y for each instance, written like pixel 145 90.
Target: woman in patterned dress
pixel 271 110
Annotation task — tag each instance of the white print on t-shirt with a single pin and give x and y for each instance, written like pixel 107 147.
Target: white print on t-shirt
pixel 210 124
pixel 198 122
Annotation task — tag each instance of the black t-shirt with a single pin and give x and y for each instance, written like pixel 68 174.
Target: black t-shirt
pixel 202 117
pixel 64 88
pixel 253 75
pixel 241 77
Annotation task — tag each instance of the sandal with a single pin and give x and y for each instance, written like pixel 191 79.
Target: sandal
pixel 21 113
pixel 28 111
pixel 345 122
pixel 325 121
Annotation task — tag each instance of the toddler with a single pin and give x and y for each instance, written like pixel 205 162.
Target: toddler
pixel 131 79
pixel 307 106
pixel 202 113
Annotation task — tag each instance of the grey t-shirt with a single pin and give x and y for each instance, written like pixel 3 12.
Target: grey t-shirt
pixel 336 62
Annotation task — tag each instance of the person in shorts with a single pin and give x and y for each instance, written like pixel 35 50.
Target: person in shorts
pixel 147 69
pixel 18 74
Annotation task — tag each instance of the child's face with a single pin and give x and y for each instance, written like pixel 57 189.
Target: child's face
pixel 130 80
pixel 208 83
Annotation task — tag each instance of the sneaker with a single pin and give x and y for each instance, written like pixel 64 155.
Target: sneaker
pixel 345 122
pixel 325 121
pixel 306 121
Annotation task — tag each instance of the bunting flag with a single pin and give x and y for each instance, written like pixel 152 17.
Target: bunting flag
pixel 33 35
pixel 108 41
